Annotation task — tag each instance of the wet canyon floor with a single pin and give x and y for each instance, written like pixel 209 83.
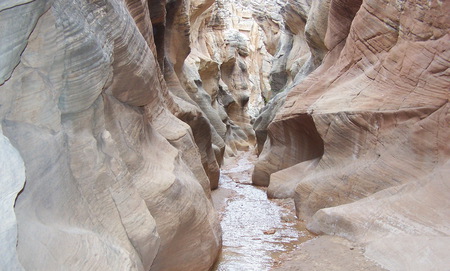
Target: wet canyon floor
pixel 257 231
pixel 261 234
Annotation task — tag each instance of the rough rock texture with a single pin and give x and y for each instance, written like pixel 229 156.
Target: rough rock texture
pixel 114 181
pixel 300 50
pixel 19 17
pixel 206 72
pixel 122 112
pixel 364 138
pixel 222 68
pixel 170 19
pixel 115 117
pixel 12 178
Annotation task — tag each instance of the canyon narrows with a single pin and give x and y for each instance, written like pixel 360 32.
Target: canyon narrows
pixel 257 231
pixel 117 115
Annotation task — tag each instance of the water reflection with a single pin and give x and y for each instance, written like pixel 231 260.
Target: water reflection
pixel 255 230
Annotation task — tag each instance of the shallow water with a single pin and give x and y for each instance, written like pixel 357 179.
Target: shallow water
pixel 256 230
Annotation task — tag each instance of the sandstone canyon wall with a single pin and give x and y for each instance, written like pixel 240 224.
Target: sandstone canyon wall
pixel 111 178
pixel 300 50
pixel 115 118
pixel 362 143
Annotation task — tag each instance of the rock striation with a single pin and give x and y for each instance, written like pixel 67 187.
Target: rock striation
pixel 220 68
pixel 300 50
pixel 11 181
pixel 115 119
pixel 361 143
pixel 117 168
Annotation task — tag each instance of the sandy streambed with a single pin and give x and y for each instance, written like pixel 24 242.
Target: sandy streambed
pixel 256 231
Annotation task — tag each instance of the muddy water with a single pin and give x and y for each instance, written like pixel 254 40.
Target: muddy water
pixel 257 231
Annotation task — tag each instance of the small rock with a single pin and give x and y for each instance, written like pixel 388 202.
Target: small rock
pixel 271 231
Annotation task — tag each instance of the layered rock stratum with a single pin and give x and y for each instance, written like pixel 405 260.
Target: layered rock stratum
pixel 361 143
pixel 115 117
pixel 113 180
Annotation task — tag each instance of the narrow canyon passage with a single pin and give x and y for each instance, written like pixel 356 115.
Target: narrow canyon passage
pixel 257 231
pixel 120 120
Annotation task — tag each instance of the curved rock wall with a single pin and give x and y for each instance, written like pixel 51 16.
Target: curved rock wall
pixel 116 115
pixel 378 107
pixel 221 74
pixel 114 181
pixel 122 113
pixel 12 180
pixel 300 50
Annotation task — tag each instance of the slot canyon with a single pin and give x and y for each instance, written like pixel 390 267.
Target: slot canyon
pixel 225 135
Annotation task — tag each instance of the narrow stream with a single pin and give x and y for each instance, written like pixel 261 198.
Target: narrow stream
pixel 257 231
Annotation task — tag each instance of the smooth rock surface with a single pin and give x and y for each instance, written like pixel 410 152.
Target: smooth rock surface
pixel 113 179
pixel 328 253
pixel 115 117
pixel 12 179
pixel 378 109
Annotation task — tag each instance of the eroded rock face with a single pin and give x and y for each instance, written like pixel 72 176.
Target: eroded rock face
pixel 300 50
pixel 12 179
pixel 113 179
pixel 223 72
pixel 378 108
pixel 122 112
